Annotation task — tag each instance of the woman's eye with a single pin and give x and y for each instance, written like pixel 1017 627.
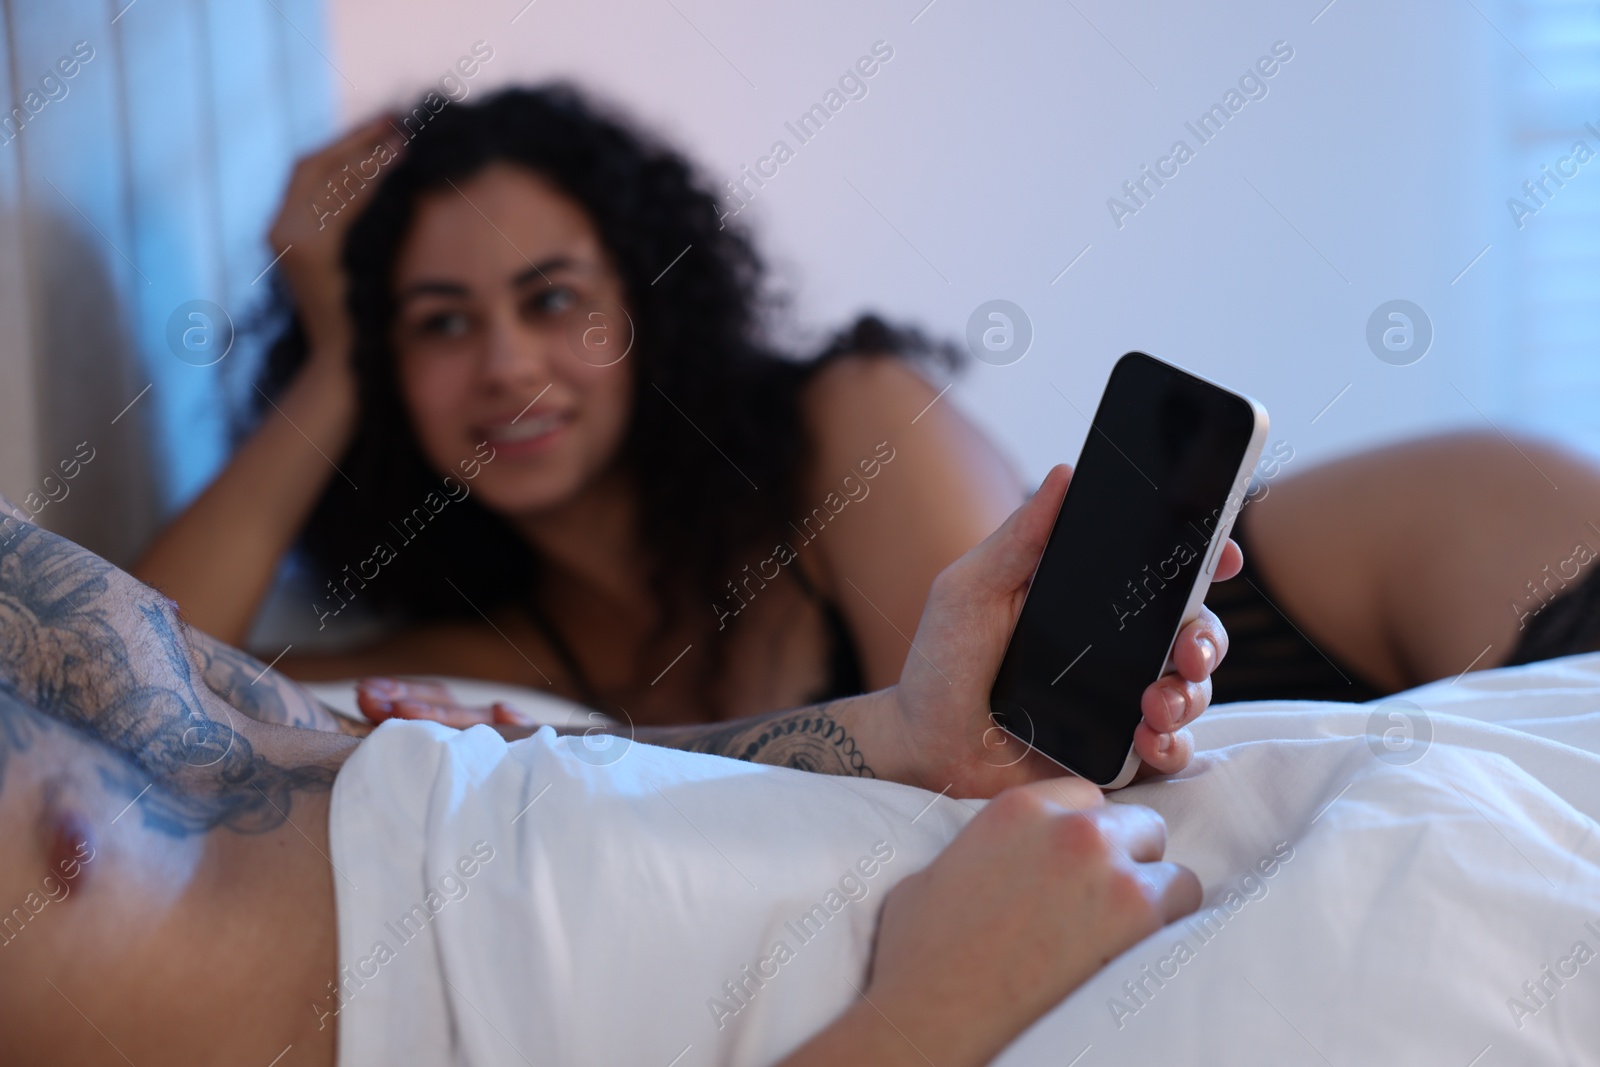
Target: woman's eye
pixel 553 300
pixel 445 324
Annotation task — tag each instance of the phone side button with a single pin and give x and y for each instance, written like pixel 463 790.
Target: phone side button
pixel 1214 556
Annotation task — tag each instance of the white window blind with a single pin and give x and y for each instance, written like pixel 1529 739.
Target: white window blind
pixel 1553 89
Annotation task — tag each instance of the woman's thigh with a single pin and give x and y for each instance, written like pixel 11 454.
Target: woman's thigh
pixel 1420 560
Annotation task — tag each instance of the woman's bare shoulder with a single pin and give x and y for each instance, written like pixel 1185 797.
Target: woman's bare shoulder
pixel 864 383
pixel 904 484
pixel 872 401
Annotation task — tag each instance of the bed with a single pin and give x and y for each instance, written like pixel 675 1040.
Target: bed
pixel 1411 881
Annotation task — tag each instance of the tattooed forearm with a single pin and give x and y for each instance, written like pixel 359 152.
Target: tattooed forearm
pixel 88 647
pixel 807 739
pixel 253 689
pixel 204 774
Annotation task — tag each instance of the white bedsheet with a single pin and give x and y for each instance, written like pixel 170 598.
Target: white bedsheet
pixel 1359 909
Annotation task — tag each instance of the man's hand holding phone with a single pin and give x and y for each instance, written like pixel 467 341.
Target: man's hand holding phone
pixel 1048 881
pixel 940 727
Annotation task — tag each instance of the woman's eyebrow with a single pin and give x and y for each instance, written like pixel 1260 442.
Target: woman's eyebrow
pixel 553 264
pixel 432 288
pixel 535 272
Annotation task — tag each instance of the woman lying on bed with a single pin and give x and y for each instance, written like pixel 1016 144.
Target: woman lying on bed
pixel 525 416
pixel 168 853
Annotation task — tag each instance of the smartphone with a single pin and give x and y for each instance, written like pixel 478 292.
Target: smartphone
pixel 1163 472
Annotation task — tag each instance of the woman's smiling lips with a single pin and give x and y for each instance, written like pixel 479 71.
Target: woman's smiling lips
pixel 527 434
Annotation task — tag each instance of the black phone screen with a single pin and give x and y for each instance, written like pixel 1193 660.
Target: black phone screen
pixel 1148 495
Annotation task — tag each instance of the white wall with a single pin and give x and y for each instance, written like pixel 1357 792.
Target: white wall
pixel 990 143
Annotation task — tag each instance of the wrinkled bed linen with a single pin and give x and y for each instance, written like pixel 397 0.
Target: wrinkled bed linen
pixel 1414 880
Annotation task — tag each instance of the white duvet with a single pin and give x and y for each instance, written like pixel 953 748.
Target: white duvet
pixel 1411 882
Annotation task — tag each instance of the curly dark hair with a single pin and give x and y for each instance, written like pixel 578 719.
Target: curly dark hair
pixel 699 340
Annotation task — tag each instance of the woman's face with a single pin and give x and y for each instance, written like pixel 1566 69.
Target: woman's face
pixel 511 336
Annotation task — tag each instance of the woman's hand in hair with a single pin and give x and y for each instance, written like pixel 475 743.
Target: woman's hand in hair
pixel 326 193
